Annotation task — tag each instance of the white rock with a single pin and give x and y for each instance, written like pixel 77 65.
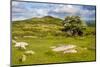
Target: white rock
pixel 23 58
pixel 63 48
pixel 70 51
pixel 30 37
pixel 30 52
pixel 21 45
pixel 13 41
pixel 16 37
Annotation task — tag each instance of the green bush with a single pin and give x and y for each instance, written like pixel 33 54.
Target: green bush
pixel 74 25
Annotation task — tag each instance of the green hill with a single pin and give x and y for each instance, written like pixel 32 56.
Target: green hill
pixel 45 20
pixel 46 25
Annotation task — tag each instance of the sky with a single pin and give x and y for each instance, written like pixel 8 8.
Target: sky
pixel 26 10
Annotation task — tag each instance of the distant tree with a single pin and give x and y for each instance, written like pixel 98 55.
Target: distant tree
pixel 74 25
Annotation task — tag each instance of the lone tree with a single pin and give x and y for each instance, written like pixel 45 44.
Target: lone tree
pixel 74 25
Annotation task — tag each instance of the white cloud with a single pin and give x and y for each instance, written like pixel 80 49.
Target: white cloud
pixel 41 12
pixel 76 10
pixel 22 10
pixel 18 18
pixel 88 14
pixel 22 13
pixel 67 9
pixel 14 3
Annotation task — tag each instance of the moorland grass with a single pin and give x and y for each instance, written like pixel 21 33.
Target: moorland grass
pixel 47 33
pixel 44 53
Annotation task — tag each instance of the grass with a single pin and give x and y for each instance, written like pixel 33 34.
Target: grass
pixel 44 54
pixel 46 33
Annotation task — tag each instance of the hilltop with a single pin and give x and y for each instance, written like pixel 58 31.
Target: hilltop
pixel 45 19
pixel 43 26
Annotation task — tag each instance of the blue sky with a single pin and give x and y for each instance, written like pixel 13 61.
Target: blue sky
pixel 26 10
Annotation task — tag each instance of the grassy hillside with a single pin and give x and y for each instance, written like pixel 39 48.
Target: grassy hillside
pixel 43 33
pixel 37 27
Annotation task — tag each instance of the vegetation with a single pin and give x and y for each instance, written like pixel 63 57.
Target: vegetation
pixel 43 33
pixel 74 25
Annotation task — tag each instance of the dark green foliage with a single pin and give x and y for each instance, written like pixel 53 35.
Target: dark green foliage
pixel 74 25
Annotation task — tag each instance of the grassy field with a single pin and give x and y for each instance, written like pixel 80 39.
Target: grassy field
pixel 46 32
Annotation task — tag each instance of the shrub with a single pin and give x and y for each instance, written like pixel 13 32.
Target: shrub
pixel 74 25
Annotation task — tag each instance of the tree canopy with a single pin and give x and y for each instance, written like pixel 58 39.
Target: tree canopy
pixel 74 25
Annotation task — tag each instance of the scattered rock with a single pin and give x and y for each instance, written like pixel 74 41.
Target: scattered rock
pixel 22 58
pixel 21 45
pixel 30 36
pixel 13 41
pixel 15 37
pixel 63 48
pixel 70 51
pixel 29 52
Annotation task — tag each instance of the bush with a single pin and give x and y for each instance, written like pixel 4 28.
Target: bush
pixel 74 25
